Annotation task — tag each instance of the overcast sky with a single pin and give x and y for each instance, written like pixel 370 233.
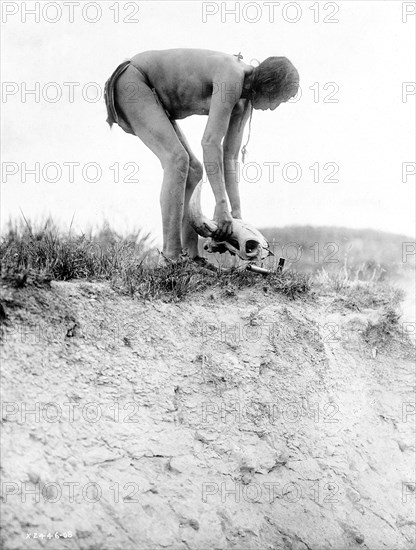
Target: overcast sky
pixel 354 127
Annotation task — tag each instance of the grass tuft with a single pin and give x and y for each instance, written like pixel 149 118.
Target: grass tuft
pixel 39 255
pixel 36 256
pixel 380 333
pixel 288 283
pixel 171 282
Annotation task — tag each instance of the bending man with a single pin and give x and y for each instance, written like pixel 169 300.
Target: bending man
pixel 149 93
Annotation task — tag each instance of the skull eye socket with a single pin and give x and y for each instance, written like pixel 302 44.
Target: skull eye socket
pixel 234 243
pixel 251 246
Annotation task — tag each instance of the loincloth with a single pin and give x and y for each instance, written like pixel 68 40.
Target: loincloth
pixel 114 115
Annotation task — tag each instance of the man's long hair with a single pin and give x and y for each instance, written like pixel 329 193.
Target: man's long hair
pixel 275 77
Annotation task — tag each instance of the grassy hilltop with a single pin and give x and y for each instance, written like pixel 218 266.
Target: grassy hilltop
pixel 47 253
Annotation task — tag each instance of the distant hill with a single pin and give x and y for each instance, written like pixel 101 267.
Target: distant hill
pixel 309 248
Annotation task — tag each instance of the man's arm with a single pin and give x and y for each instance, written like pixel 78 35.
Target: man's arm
pixel 221 108
pixel 231 147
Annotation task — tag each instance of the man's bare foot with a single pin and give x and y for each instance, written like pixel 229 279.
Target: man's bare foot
pixel 165 261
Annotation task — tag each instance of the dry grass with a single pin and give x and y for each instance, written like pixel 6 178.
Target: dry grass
pixel 38 255
pixel 381 333
pixel 374 294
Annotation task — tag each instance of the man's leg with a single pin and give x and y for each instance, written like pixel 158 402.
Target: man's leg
pixel 189 236
pixel 152 126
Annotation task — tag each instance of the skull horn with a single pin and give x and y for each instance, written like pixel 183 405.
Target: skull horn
pixel 200 223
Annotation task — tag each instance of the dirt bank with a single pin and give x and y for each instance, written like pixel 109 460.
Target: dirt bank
pixel 230 420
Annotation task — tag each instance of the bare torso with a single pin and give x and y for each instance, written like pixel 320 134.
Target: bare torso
pixel 186 79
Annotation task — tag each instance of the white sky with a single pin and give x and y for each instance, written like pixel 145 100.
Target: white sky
pixel 368 133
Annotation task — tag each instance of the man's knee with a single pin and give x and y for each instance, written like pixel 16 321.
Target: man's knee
pixel 178 160
pixel 195 172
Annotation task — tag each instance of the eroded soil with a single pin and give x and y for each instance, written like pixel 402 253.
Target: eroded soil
pixel 230 420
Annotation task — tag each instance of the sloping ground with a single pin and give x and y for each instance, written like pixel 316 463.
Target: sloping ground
pixel 231 420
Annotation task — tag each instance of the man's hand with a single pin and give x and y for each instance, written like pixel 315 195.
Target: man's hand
pixel 236 214
pixel 224 220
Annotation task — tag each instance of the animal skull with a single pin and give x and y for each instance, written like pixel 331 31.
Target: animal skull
pixel 245 241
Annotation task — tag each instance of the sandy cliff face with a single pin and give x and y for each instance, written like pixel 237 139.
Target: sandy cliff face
pixel 230 420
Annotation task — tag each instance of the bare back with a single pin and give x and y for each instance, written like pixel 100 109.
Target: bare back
pixel 187 79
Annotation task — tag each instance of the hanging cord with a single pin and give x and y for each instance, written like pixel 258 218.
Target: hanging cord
pixel 244 151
